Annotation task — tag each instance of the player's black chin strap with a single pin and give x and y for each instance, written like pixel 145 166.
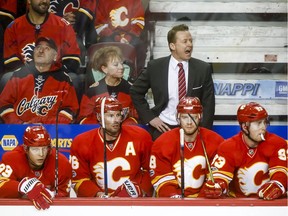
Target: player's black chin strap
pixel 248 133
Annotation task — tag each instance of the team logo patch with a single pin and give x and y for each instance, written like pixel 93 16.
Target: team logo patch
pixel 251 152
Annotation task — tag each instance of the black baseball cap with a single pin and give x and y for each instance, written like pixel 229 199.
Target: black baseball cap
pixel 50 42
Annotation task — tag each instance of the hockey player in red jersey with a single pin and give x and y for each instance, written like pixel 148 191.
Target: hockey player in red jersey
pixel 165 160
pixel 109 61
pixel 252 163
pixel 28 170
pixel 40 91
pixel 21 34
pixel 126 155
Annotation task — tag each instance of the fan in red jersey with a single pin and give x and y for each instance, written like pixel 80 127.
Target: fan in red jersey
pixel 165 161
pixel 27 171
pixel 122 21
pixel 37 93
pixel 21 34
pixel 125 149
pixel 252 163
pixel 80 14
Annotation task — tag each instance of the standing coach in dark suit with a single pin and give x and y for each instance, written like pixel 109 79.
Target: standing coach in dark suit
pixel 162 77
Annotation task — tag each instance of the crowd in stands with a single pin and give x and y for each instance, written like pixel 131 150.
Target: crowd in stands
pixel 74 26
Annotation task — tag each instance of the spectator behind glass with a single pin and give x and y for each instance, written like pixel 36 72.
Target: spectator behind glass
pixel 127 155
pixel 109 61
pixel 21 34
pixel 165 160
pixel 81 15
pixel 9 10
pixel 28 170
pixel 39 90
pixel 252 163
pixel 122 21
pixel 162 77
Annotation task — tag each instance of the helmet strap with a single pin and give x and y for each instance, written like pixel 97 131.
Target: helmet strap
pixel 197 125
pixel 247 132
pixel 104 130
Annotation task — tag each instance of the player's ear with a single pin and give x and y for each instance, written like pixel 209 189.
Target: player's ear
pixel 244 127
pixel 98 116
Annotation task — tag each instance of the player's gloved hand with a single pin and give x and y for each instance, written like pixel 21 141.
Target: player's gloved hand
pixel 128 189
pixel 271 190
pixel 36 192
pixel 101 194
pixel 215 190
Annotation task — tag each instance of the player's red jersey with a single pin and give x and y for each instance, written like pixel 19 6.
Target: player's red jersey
pixel 117 16
pixel 87 114
pixel 127 158
pixel 165 162
pixel 14 167
pixel 251 167
pixel 34 97
pixel 21 34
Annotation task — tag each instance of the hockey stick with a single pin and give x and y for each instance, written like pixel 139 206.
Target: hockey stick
pixel 105 154
pixel 182 162
pixel 204 150
pixel 57 151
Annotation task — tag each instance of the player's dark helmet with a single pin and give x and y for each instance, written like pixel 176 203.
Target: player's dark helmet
pixel 251 112
pixel 109 103
pixel 191 105
pixel 36 136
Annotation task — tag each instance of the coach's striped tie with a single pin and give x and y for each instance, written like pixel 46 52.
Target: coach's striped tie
pixel 181 81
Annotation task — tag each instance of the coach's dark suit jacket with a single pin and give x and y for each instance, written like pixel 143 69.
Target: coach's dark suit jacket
pixel 200 84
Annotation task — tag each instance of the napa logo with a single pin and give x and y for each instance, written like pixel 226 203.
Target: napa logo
pixel 281 89
pixel 8 142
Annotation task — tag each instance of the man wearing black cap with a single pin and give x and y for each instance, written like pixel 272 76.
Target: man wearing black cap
pixel 45 60
pixel 39 92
